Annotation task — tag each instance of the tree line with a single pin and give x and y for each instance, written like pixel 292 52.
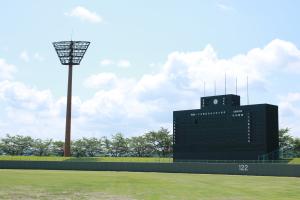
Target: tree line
pixel 288 142
pixel 153 143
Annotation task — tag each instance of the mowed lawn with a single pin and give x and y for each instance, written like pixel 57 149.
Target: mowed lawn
pixel 295 161
pixel 46 184
pixel 103 159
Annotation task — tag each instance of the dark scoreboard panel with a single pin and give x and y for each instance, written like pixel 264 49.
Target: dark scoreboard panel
pixel 223 130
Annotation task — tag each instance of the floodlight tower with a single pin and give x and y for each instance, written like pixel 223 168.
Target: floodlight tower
pixel 70 53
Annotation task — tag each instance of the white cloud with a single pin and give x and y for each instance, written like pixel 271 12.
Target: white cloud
pixel 38 57
pixel 152 65
pixel 84 14
pixel 100 80
pixel 30 111
pixel 224 7
pixel 24 56
pixel 24 97
pixel 133 106
pixel 289 106
pixel 153 97
pixel 6 70
pixel 106 62
pixel 124 63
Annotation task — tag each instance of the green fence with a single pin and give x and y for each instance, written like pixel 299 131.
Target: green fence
pixel 259 169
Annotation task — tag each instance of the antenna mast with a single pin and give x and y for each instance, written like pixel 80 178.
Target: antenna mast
pixel 236 85
pixel 204 89
pixel 247 92
pixel 215 88
pixel 225 83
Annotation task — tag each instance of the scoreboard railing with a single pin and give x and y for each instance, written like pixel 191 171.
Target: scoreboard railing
pixel 282 154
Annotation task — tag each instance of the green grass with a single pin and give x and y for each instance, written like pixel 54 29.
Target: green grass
pixel 43 184
pixel 295 161
pixel 87 159
pixel 104 159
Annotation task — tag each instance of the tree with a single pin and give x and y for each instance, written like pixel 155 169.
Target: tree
pixel 78 148
pixel 119 145
pixel 57 148
pixel 1 148
pixel 139 146
pixel 297 144
pixel 93 146
pixel 106 146
pixel 289 143
pixel 17 145
pixel 149 144
pixel 86 147
pixel 41 147
pixel 161 141
pixel 285 140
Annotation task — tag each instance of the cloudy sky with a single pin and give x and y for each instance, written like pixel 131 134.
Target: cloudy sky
pixel 145 60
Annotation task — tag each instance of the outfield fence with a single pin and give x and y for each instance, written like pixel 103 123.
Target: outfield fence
pixel 285 161
pixel 242 168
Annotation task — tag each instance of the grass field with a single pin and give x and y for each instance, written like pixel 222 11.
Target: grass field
pixel 43 184
pixel 103 159
pixel 295 161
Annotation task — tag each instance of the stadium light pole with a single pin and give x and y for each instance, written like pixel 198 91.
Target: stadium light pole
pixel 70 53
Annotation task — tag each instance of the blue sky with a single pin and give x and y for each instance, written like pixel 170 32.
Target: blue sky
pixel 145 60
